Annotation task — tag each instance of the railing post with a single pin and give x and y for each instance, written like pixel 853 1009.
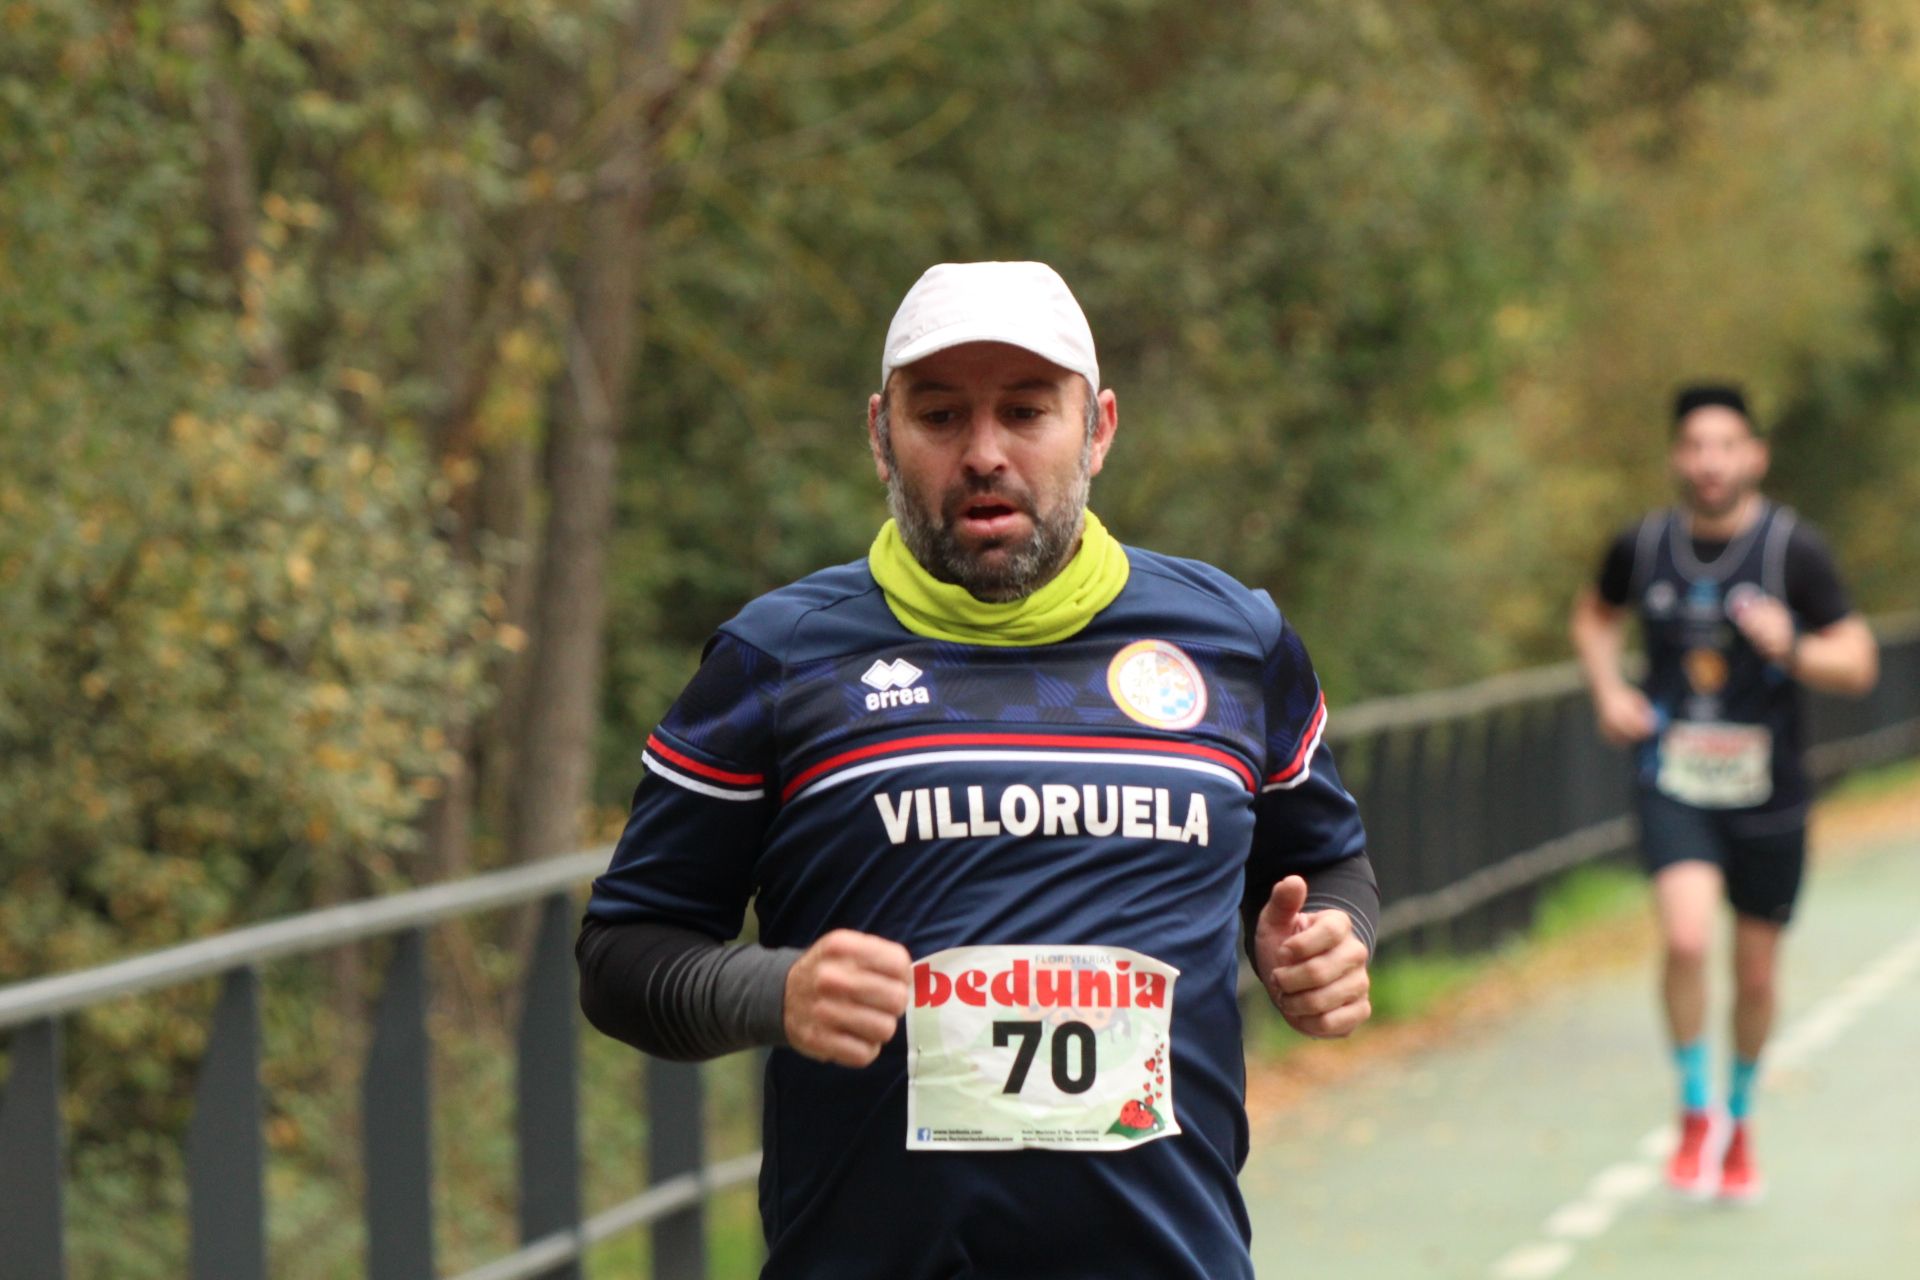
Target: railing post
pixel 1467 780
pixel 1507 827
pixel 762 1079
pixel 676 1144
pixel 1387 818
pixel 32 1158
pixel 226 1163
pixel 547 1086
pixel 397 1123
pixel 1420 819
pixel 1361 760
pixel 1534 727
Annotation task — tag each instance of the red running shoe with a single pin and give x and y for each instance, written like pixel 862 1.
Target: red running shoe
pixel 1740 1179
pixel 1692 1171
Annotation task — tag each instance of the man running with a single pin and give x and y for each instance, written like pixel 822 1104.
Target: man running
pixel 1002 795
pixel 1740 605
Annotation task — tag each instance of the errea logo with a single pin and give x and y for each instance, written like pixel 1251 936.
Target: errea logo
pixel 893 684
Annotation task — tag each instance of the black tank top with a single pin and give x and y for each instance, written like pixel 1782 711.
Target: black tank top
pixel 1730 721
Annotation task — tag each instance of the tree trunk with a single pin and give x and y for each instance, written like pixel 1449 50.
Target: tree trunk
pixel 232 199
pixel 560 713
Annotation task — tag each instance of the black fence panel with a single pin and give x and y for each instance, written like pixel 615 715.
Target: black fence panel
pixel 547 1086
pixel 226 1156
pixel 396 1119
pixel 1473 798
pixel 676 1147
pixel 32 1158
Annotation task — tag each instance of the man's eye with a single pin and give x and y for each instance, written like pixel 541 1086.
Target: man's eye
pixel 1023 412
pixel 937 417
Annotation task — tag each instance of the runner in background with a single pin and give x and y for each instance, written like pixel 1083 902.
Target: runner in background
pixel 1024 786
pixel 1740 606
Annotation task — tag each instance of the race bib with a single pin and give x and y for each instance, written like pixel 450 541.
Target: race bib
pixel 1061 1048
pixel 1716 766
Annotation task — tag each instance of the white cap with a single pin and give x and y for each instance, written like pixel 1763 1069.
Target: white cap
pixel 1025 304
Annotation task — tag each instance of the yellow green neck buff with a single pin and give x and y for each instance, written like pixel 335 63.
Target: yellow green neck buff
pixel 926 606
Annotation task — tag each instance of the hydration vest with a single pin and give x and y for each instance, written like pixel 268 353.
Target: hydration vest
pixel 1720 704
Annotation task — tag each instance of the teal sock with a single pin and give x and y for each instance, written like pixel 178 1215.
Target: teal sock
pixel 1740 1087
pixel 1691 1061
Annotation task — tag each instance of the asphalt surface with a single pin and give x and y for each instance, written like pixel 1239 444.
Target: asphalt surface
pixel 1531 1146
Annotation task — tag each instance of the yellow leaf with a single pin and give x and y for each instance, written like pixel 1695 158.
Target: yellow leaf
pixel 331 697
pixel 360 382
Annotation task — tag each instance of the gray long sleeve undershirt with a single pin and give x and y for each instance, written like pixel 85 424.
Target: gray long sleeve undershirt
pixel 679 994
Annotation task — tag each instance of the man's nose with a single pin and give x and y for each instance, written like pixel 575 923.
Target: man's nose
pixel 985 452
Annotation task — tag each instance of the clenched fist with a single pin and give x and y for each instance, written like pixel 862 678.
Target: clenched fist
pixel 845 995
pixel 1314 968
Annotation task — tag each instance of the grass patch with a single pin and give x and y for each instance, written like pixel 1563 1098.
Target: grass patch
pixel 1407 986
pixel 1597 891
pixel 1410 985
pixel 1867 784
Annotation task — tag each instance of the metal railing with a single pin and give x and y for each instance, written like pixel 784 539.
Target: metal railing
pixel 1473 797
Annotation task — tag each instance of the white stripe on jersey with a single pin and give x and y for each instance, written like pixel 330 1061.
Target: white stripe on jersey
pixel 1061 757
pixel 1306 767
pixel 694 784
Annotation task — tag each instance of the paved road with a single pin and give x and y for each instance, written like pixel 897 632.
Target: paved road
pixel 1531 1148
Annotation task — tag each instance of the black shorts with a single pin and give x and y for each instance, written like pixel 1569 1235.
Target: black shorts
pixel 1761 855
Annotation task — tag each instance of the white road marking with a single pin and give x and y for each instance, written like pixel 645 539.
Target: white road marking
pixel 1655 1144
pixel 1622 1182
pixel 1534 1262
pixel 1619 1185
pixel 1581 1220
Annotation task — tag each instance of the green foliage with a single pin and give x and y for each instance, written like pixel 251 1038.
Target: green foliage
pixel 1392 294
pixel 236 639
pixel 233 644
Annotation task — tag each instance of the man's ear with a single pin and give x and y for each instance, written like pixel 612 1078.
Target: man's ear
pixel 873 437
pixel 1104 426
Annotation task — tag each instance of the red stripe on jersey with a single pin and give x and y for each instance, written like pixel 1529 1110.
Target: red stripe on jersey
pixel 1300 757
pixel 704 770
pixel 1088 742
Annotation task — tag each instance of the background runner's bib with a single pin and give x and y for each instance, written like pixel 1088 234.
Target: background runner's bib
pixel 1716 766
pixel 1062 1048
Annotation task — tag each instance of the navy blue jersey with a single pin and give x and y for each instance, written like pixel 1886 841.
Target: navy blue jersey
pixel 1122 788
pixel 1703 676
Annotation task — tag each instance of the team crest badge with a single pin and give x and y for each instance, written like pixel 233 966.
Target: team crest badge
pixel 1157 684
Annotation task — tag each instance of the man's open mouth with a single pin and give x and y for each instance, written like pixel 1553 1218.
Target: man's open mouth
pixel 988 517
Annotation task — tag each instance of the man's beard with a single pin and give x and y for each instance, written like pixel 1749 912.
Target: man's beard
pixel 930 536
pixel 1736 494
